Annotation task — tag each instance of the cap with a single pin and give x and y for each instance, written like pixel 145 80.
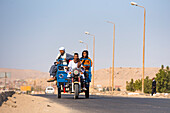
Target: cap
pixel 62 48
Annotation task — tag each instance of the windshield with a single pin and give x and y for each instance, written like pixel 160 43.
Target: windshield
pixel 49 88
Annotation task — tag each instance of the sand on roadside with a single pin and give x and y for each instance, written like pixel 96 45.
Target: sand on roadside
pixel 32 104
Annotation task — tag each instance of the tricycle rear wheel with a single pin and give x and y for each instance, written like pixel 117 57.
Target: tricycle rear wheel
pixel 59 92
pixel 87 92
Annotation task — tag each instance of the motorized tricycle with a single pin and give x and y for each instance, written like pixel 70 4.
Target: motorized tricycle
pixel 74 83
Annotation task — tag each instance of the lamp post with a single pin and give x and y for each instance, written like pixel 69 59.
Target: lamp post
pixel 113 53
pixel 135 4
pixel 5 80
pixel 110 75
pixel 93 55
pixel 84 43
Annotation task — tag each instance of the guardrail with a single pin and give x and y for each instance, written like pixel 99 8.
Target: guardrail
pixel 4 96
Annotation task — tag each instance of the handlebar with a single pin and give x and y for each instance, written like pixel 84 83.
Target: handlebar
pixel 60 59
pixel 64 59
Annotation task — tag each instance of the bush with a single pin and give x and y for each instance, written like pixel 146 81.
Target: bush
pixel 163 80
pixel 147 85
pixel 130 86
pixel 118 89
pixel 137 85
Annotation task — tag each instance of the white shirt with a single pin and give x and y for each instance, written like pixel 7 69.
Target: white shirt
pixel 63 57
pixel 72 65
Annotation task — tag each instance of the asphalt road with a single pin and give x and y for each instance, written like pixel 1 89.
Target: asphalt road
pixel 108 104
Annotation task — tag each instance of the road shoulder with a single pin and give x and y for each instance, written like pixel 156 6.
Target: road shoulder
pixel 32 104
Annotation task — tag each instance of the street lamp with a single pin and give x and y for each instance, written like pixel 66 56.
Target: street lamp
pixel 133 3
pixel 93 55
pixel 113 53
pixel 84 43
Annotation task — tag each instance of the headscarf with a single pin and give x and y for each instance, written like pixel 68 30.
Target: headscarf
pixel 86 53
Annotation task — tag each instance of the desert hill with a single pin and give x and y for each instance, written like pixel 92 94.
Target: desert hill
pixel 24 74
pixel 122 74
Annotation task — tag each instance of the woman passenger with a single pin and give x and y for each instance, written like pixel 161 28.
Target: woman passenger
pixel 86 61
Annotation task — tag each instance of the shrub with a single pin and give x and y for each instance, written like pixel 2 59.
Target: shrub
pixel 163 80
pixel 130 86
pixel 147 85
pixel 137 85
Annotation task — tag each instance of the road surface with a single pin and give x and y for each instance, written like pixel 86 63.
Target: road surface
pixel 109 104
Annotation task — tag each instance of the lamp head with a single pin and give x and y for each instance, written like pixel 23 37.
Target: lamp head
pixel 87 33
pixel 133 3
pixel 81 41
pixel 108 21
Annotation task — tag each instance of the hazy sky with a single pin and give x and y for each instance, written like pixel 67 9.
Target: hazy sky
pixel 31 31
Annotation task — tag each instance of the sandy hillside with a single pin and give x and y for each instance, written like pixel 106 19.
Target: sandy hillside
pixel 103 76
pixel 25 74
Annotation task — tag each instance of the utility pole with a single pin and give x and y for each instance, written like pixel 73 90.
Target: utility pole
pixel 143 67
pixel 34 85
pixel 110 80
pixel 113 54
pixel 5 80
pixel 93 57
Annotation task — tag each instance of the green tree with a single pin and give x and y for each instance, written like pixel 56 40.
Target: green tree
pixel 130 86
pixel 147 85
pixel 163 80
pixel 138 85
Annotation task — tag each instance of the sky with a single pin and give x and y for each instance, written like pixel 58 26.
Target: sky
pixel 31 32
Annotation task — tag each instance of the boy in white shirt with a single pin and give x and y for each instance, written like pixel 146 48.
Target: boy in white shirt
pixel 75 63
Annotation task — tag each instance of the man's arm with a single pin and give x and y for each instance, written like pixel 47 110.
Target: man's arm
pixel 69 56
pixel 59 55
pixel 79 64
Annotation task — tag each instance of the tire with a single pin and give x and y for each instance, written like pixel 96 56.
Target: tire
pixel 87 92
pixel 59 92
pixel 76 93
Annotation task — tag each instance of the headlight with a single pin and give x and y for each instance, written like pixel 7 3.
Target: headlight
pixel 76 72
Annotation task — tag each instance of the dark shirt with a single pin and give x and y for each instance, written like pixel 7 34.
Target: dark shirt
pixel 154 84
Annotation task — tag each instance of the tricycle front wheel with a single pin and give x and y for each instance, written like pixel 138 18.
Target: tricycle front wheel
pixel 76 93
